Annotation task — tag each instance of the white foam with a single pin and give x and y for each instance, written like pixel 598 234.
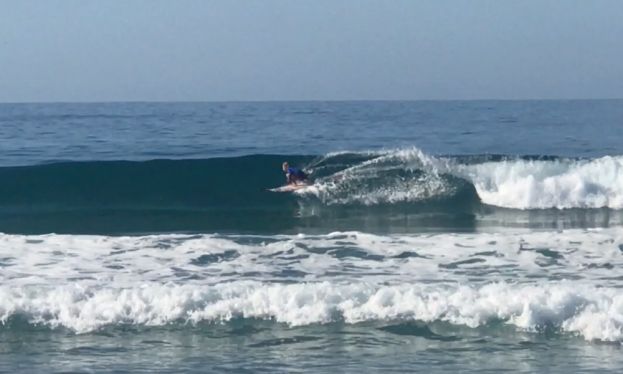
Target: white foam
pixel 94 260
pixel 559 184
pixel 591 312
pixel 528 279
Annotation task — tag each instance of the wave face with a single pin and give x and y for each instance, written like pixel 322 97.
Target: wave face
pixel 524 280
pixel 348 188
pixel 160 195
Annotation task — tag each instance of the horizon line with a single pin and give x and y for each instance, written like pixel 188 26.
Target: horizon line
pixel 296 101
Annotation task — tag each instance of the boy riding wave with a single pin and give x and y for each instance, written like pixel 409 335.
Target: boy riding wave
pixel 294 176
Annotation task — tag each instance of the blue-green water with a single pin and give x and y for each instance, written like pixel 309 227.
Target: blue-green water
pixel 435 236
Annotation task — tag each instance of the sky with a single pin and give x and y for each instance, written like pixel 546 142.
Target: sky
pixel 234 50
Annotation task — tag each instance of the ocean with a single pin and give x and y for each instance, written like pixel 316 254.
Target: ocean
pixel 435 236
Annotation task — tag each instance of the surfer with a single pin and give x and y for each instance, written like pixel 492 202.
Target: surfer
pixel 294 176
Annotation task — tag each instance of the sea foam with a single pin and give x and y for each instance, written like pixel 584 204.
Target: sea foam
pixel 594 313
pixel 531 280
pixel 530 184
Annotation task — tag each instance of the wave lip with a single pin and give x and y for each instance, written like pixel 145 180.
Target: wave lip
pixel 590 312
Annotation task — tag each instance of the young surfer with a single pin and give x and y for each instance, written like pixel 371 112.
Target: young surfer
pixel 294 176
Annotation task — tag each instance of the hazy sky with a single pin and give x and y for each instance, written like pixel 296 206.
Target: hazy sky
pixel 117 50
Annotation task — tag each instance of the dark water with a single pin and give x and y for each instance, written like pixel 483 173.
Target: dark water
pixel 434 236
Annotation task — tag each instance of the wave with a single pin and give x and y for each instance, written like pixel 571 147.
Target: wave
pixel 590 312
pixel 348 188
pixel 410 175
pixel 369 178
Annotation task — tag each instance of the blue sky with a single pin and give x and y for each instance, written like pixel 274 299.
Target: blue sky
pixel 144 50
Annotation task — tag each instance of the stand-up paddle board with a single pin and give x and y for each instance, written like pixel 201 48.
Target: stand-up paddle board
pixel 288 188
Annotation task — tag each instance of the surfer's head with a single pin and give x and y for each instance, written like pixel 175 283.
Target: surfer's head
pixel 284 166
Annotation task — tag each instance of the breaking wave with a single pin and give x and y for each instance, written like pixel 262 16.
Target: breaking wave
pixel 590 312
pixel 508 182
pixel 224 194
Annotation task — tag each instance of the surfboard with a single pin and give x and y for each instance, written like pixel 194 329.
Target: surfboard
pixel 288 188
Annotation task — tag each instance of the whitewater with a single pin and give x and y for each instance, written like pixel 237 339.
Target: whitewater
pixel 563 280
